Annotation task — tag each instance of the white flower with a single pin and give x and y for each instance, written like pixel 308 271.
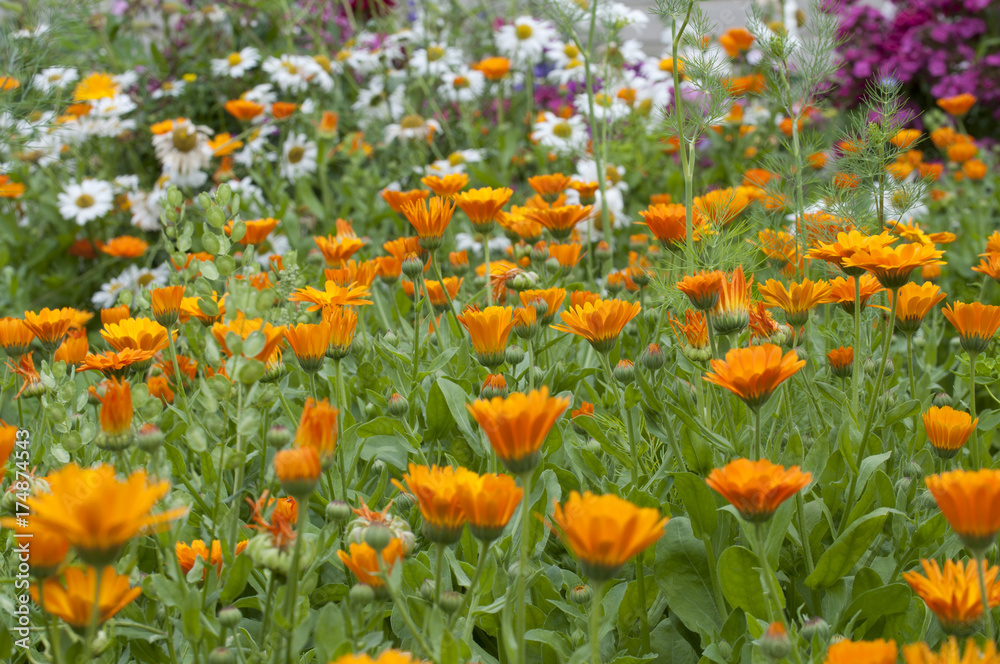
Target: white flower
pixel 184 152
pixel 436 59
pixel 279 247
pixel 54 78
pixel 133 279
pixel 606 106
pixel 255 147
pixel 124 183
pixel 298 157
pixel 469 242
pixel 411 127
pixel 619 15
pixel 562 53
pixel 169 89
pixel 251 196
pixel 237 63
pixel 29 33
pixel 563 136
pixel 455 163
pixel 86 201
pixel 262 94
pixel 373 105
pixel 525 39
pixel 126 80
pixel 572 71
pixel 145 208
pixel 293 73
pixel 586 171
pixel 466 85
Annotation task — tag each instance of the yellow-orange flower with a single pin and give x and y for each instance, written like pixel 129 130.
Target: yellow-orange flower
pixel 915 302
pixel 116 407
pixel 483 205
pixel 117 363
pixel 954 595
pixel 125 246
pixel 732 312
pixel 207 310
pixel 488 502
pixel 667 222
pixel 879 651
pixel 703 288
pixel 243 327
pixel 841 361
pixel 309 343
pixel 549 185
pixel 437 492
pixel 976 323
pixel 15 336
pixel 397 199
pixel 560 220
pixel 892 265
pixel 318 429
pixel 337 249
pixel 332 296
pixel 362 273
pixel 188 553
pixel 488 330
pixel 552 297
pixel 721 206
pixel 72 597
pixel 440 296
pixel 957 105
pixel 136 333
pixel 845 246
pixel 74 348
pixel 298 469
pixel 342 321
pixel 797 299
pixel 692 334
pixel 364 563
pixel 446 186
pixel 430 220
pixel 568 254
pixel 50 325
pixel 605 532
pixel 600 322
pixel 518 425
pixel 494 68
pixel 166 303
pixel 970 501
pixel 47 548
pixel 990 266
pixel 757 488
pixel 842 291
pixel 95 86
pixel 242 109
pixel 97 513
pixel 754 373
pixel 257 230
pixel 115 314
pixel 920 653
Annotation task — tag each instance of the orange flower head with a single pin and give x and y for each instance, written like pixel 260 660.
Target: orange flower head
pixel 990 266
pixel 243 110
pixel 754 373
pixel 958 105
pixel 116 364
pixel 459 261
pixel 125 246
pixel 605 532
pixel 600 322
pixel 920 653
pixel 187 554
pixel 116 408
pixel 552 297
pixel 892 265
pixel 721 206
pixel 343 321
pixel 568 255
pixel 97 513
pixel 488 502
pixel 437 490
pixel 309 343
pixel 298 469
pixel 72 596
pixel 318 429
pixel 518 425
pixel 15 336
pixel 961 150
pixel 550 186
pixel 667 222
pixel 703 288
pixel 397 199
pixel 843 291
pixel 282 109
pixel 47 548
pixel 845 246
pixel 166 304
pixel 446 186
pixel 50 325
pixel 363 274
pixel 732 312
pixel 440 296
pixel 74 349
pixel 561 220
pixel 954 595
pixel 363 561
pixel 159 388
pixel 970 501
pixel 257 230
pixel 31 385
pixel 137 334
pixel 525 322
pixel 332 296
pixel 797 299
pixel 10 189
pixel 905 138
pixel 915 302
pixel 841 361
pixel 337 250
pixel 243 327
pixel 481 206
pixel 976 323
pixel 912 232
pixel 494 69
pixel 430 220
pixel 879 651
pixel 763 326
pixel 757 488
pixel 488 331
pixel 692 334
pixel 279 526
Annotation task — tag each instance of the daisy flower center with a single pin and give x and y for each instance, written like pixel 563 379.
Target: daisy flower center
pixel 602 99
pixel 611 173
pixel 435 53
pixel 84 201
pixel 145 279
pixel 455 159
pixel 342 55
pixel 323 62
pixel 562 130
pixel 412 121
pixel 571 51
pixel 185 140
pixel 234 59
pixel 524 32
pixel 460 82
pixel 295 154
pixel 290 68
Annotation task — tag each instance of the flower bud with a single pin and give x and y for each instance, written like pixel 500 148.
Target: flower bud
pixel 361 594
pixel 774 643
pixel 514 355
pixel 451 601
pixel 603 250
pixel 552 265
pixel 539 253
pixel 337 511
pixel 816 627
pixel 378 537
pixel 624 372
pixel 278 436
pixel 222 656
pixel 913 469
pixel 390 338
pixel 150 438
pixel 413 267
pixel 398 405
pixel 230 616
pixel 942 399
pixel 653 358
pixel 581 594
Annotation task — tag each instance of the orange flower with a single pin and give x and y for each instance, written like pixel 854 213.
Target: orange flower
pixel 692 334
pixel 912 232
pixel 342 321
pixel 117 364
pixel 757 488
pixel 948 429
pixel 842 291
pixel 763 326
pixel 494 68
pixel 845 246
pixel 488 502
pixel 15 336
pixel 363 273
pixel 136 333
pixel 905 138
pixel 430 221
pixel 552 297
pixel 841 361
pixel 568 255
pixel 797 299
pixel 667 222
pixel 482 205
pixel 560 220
pixel 437 492
pixel 919 653
pixel 721 206
pixel 600 322
pixel 187 554
pixel 72 596
pixel 488 332
pixel 74 349
pixel 159 388
pixel 257 230
pixel 309 343
pixel 990 266
pixel 166 304
pixel 958 105
pixel 550 185
pixel 892 265
pixel 9 188
pixel 97 513
pixel 954 596
pixel 243 327
pixel 332 296
pixel 970 501
pixel 243 110
pixel 223 145
pixel 732 312
pixel 50 325
pixel 518 425
pixel 446 186
pixel 703 289
pixel 116 408
pixel 879 651
pixel 298 470
pixel 605 532
pixel 974 169
pixel 318 429
pixel 976 323
pixel 915 302
pixel 437 295
pixel 397 199
pixel 282 109
pixel 336 250
pixel 754 373
pixel 125 246
pixel 364 563
pixel 962 150
pixel 47 548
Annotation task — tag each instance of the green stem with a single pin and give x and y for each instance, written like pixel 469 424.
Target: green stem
pixel 640 577
pixel 774 611
pixel 756 434
pixel 987 613
pixel 177 369
pixel 293 580
pixel 486 255
pixel 403 611
pixel 595 622
pixel 856 371
pixel 95 615
pixel 472 593
pixel 438 574
pixel 976 452
pixel 52 632
pixel 909 364
pixel 238 477
pixel 522 646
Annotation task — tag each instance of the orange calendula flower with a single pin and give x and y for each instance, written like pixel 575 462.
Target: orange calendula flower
pixel 98 513
pixel 15 336
pixel 605 532
pixel 550 185
pixel 50 325
pixel 482 205
pixel 843 291
pixel 298 469
pixel 47 548
pixel 363 273
pixel 722 206
pixel 440 296
pixel 763 326
pixel 841 361
pixel 437 492
pixel 159 388
pixel 446 186
pixel 518 425
pixel 970 501
pixel 309 343
pixel 754 373
pixel 10 189
pixel 920 653
pixel 187 554
pixel 166 304
pixel 280 524
pixel 31 385
pixel 560 220
pixel 845 246
pixel 242 109
pixel 976 323
pixel 757 488
pixel 137 334
pixel 954 595
pixel 116 407
pixel 667 222
pixel 879 651
pixel 494 68
pixel 363 561
pixel 732 312
pixel 125 246
pixel 342 321
pixel 568 255
pixel 702 289
pixel 115 364
pixel 990 266
pixel 488 502
pixel 892 265
pixel 71 596
pixel 599 322
pixel 74 349
pixel 430 220
pixel 488 330
pixel 912 232
pixel 552 297
pixel 337 249
pixel 243 327
pixel 915 302
pixel 948 429
pixel 797 299
pixel 257 230
pixel 958 105
pixel 397 199
pixel 318 429
pixel 332 296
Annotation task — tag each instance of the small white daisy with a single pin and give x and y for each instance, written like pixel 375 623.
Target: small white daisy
pixel 184 151
pixel 524 40
pixel 133 279
pixel 169 89
pixel 54 78
pixel 466 85
pixel 90 199
pixel 237 63
pixel 298 157
pixel 411 127
pixel 561 135
pixel 436 59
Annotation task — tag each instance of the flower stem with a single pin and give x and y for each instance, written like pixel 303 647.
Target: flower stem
pixel 293 581
pixel 756 434
pixel 438 574
pixel 522 647
pixel 95 614
pixel 987 614
pixel 177 369
pixel 595 623
pixel 472 593
pixel 909 364
pixel 774 611
pixel 640 578
pixel 486 255
pixel 856 371
pixel 878 381
pixel 976 452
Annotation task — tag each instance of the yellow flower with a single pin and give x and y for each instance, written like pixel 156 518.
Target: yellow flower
pixel 518 425
pixel 72 598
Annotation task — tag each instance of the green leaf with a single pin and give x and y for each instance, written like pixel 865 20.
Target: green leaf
pixel 699 502
pixel 878 602
pixel 236 578
pixel 684 578
pixel 455 398
pixel 847 550
pixel 740 578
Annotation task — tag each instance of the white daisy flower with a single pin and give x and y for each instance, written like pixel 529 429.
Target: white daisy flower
pixel 126 80
pixel 262 94
pixel 255 147
pixel 251 196
pixel 124 183
pixel 573 71
pixel 90 199
pixel 466 85
pixel 411 127
pixel 184 152
pixel 145 208
pixel 54 78
pixel 30 33
pixel 237 63
pixel 298 157
pixel 469 242
pixel 169 89
pixel 279 247
pixel 133 279
pixel 586 171
pixel 524 40
pixel 374 106
pixel 455 163
pixel 292 73
pixel 562 53
pixel 562 136
pixel 607 107
pixel 436 59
